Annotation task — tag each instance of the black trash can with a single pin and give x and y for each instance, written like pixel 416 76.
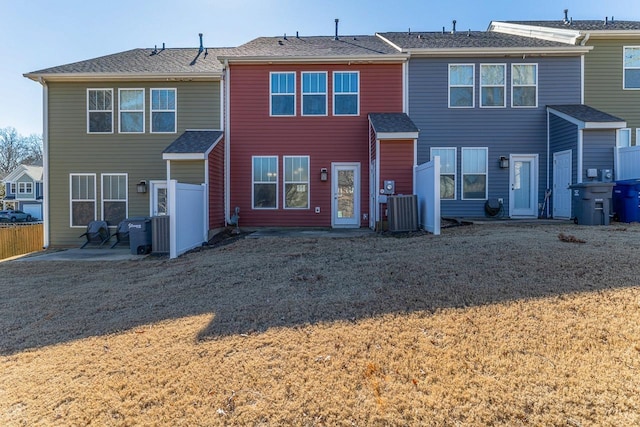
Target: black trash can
pixel 139 235
pixel 591 202
pixel 626 200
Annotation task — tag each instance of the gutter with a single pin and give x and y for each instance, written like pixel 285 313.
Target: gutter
pixel 45 162
pixel 313 59
pixel 505 51
pixel 37 77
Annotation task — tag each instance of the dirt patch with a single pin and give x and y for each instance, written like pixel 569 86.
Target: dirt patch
pixel 497 324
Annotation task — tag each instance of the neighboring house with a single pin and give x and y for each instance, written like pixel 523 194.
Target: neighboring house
pixel 118 127
pixel 480 101
pixel 315 125
pixel 611 69
pixel 24 190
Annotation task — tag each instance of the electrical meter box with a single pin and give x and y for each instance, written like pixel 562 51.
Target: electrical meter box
pixel 389 188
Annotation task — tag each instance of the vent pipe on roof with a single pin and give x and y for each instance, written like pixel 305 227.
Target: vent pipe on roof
pixel 337 20
pixel 612 19
pixel 162 45
pixel 606 20
pixel 297 36
pixel 201 45
pixel 443 30
pixel 285 36
pixel 453 31
pixel 566 16
pixel 469 33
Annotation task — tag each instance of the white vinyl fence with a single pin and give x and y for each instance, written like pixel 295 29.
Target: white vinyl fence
pixel 427 181
pixel 188 216
pixel 627 162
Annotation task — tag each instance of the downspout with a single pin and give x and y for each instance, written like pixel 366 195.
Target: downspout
pixel 548 159
pixel 583 43
pixel 580 139
pixel 45 162
pixel 227 142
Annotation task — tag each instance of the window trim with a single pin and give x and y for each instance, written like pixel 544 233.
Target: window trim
pixel 455 169
pixel 254 182
pixel 174 111
pixel 333 90
pixel 285 182
pixel 624 75
pixel 120 110
pixel 514 86
pixel 110 90
pixel 126 195
pixel 13 188
pixel 294 94
pixel 71 199
pixel 504 86
pixel 326 93
pixel 472 86
pixel 486 173
pixel 22 187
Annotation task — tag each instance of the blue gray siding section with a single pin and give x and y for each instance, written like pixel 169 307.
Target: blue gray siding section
pixel 503 131
pixel 597 150
pixel 563 135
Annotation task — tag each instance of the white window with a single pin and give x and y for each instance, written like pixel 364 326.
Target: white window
pixel 265 182
pixel 114 198
pixel 163 110
pixel 314 94
pixel 346 93
pixel 296 182
pixel 637 137
pixel 283 94
pixel 12 188
pixel 25 187
pixel 461 86
pixel 131 110
pixel 83 199
pixel 524 85
pixel 100 110
pixel 623 137
pixel 631 75
pixel 493 85
pixel 447 171
pixel 474 173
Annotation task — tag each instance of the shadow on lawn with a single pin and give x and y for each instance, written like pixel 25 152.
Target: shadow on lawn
pixel 252 285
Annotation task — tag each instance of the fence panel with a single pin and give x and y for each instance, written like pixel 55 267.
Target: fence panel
pixel 628 162
pixel 19 239
pixel 427 183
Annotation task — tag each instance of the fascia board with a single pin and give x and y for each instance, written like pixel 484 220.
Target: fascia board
pixel 314 59
pixel 587 125
pixel 184 156
pixel 397 135
pixel 123 76
pixel 613 34
pixel 509 51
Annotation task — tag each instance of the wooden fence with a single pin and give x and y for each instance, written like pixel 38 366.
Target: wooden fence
pixel 18 239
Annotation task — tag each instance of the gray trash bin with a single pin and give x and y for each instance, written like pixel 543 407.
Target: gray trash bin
pixel 591 202
pixel 139 235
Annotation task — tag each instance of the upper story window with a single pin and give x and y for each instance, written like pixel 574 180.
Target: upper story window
pixel 461 85
pixel 631 67
pixel 131 110
pixel 100 110
pixel 492 85
pixel 447 171
pixel 163 110
pixel 524 85
pixel 474 173
pixel 346 93
pixel 25 188
pixel 12 188
pixel 283 94
pixel 296 182
pixel 314 94
pixel 114 198
pixel 623 137
pixel 83 199
pixel 265 182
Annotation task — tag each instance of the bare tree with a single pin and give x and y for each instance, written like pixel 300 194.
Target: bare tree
pixel 16 149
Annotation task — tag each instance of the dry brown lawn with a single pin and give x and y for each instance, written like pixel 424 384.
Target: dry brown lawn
pixel 495 324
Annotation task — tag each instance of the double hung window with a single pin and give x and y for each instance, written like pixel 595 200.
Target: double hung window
pixel 83 199
pixel 296 182
pixel 461 85
pixel 314 94
pixel 346 93
pixel 631 67
pixel 283 94
pixel 114 198
pixel 524 85
pixel 265 182
pixel 163 110
pixel 131 110
pixel 492 85
pixel 99 110
pixel 447 171
pixel 474 173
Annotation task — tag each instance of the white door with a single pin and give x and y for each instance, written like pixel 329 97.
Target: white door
pixel 158 204
pixel 345 206
pixel 561 180
pixel 523 197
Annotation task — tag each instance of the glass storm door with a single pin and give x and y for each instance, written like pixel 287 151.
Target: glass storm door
pixel 159 198
pixel 345 179
pixel 523 170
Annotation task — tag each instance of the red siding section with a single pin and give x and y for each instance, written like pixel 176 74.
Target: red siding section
pixel 327 139
pixel 396 163
pixel 216 186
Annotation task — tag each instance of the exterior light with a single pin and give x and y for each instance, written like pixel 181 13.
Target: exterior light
pixel 141 187
pixel 504 162
pixel 323 174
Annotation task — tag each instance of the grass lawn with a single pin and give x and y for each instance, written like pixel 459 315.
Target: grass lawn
pixel 494 324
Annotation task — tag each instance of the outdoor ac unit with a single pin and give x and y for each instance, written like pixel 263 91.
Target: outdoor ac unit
pixel 160 243
pixel 403 213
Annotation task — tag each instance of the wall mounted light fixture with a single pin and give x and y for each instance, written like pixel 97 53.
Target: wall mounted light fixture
pixel 323 174
pixel 141 187
pixel 504 162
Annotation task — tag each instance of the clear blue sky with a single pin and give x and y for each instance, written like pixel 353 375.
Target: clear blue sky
pixel 38 34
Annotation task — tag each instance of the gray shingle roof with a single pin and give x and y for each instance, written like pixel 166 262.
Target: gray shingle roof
pixel 584 25
pixel 316 46
pixel 194 141
pixel 392 123
pixel 145 61
pixel 585 113
pixel 465 40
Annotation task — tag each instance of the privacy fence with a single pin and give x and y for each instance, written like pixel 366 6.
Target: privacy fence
pixel 18 239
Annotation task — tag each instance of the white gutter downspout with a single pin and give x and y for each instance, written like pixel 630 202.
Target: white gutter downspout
pixel 582 43
pixel 548 159
pixel 45 162
pixel 227 142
